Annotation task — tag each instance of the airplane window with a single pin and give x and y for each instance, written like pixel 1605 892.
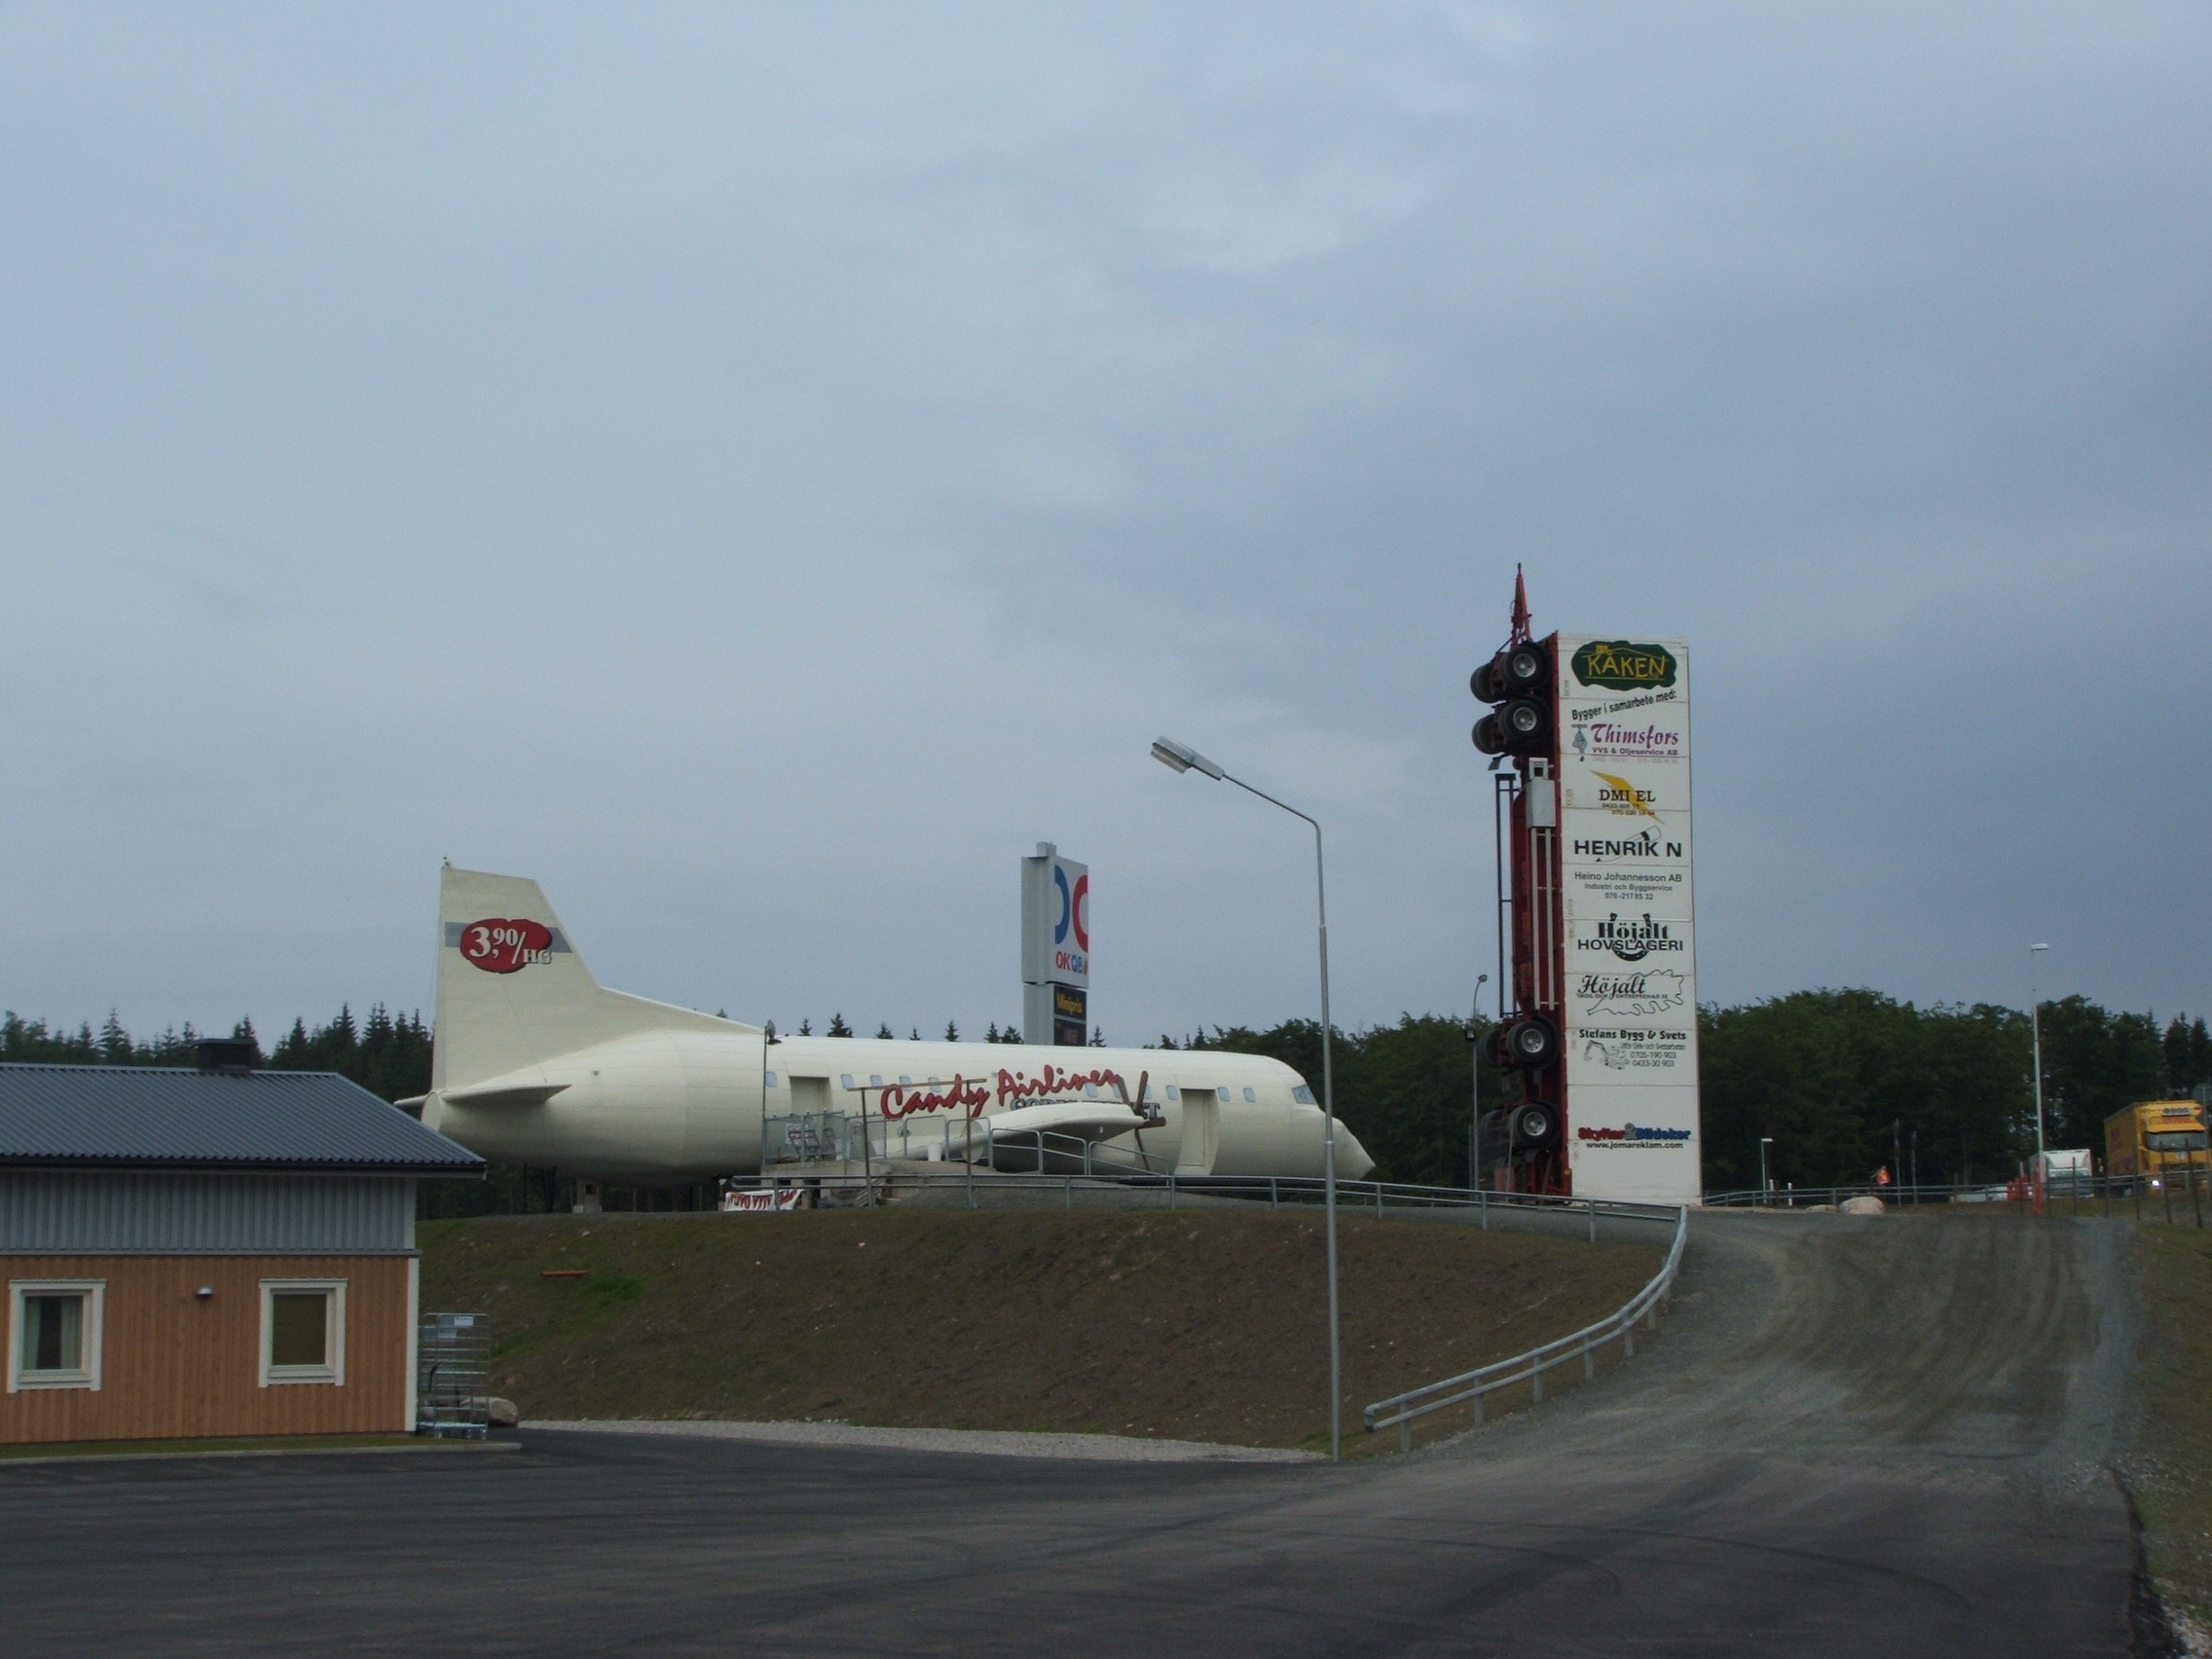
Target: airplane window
pixel 903 1080
pixel 1172 1093
pixel 875 1080
pixel 1303 1096
pixel 771 1080
pixel 1251 1096
pixel 1223 1093
pixel 935 1081
pixel 845 1078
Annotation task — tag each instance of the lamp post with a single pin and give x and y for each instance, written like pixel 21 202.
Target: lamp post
pixel 1475 1086
pixel 1182 757
pixel 1766 1185
pixel 2035 1039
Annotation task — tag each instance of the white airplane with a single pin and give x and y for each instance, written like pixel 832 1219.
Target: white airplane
pixel 533 1062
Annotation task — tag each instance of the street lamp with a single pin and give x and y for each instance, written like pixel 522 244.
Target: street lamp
pixel 1182 757
pixel 1475 1088
pixel 2035 1031
pixel 1766 1185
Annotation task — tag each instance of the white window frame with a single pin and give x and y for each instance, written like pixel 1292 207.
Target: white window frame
pixel 333 1371
pixel 86 1376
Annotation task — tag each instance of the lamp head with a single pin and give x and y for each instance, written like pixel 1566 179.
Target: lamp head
pixel 1182 757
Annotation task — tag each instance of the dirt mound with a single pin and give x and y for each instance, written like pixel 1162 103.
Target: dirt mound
pixel 1201 1325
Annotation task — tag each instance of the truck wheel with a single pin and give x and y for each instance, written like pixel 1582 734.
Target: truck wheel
pixel 1534 1127
pixel 1493 1046
pixel 1524 671
pixel 1526 723
pixel 1532 1043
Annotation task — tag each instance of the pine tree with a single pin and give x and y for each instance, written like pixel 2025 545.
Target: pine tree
pixel 1098 1036
pixel 989 1036
pixel 952 1032
pixel 884 1031
pixel 1012 1034
pixel 917 1034
pixel 115 1041
pixel 838 1028
pixel 806 1027
pixel 2188 1054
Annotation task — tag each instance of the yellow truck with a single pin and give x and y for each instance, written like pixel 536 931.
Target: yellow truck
pixel 2149 1141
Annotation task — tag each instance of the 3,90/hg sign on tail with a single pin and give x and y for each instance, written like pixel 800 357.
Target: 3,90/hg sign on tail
pixel 503 945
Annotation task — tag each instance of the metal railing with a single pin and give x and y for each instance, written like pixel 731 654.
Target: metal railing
pixel 453 1376
pixel 1377 1197
pixel 1400 1410
pixel 2173 1185
pixel 839 1138
pixel 1804 1198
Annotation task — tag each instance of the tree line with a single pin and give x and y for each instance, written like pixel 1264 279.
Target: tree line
pixel 386 1053
pixel 1842 1081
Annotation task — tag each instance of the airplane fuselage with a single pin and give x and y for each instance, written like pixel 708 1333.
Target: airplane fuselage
pixel 690 1105
pixel 536 1062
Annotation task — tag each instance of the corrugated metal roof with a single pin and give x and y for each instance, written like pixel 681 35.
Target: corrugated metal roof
pixel 147 1117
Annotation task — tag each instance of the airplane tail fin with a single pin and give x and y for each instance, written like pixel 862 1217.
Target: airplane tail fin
pixel 514 992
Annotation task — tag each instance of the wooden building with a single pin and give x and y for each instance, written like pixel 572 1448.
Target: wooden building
pixel 211 1252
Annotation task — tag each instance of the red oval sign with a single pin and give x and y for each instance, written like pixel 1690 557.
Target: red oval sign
pixel 499 945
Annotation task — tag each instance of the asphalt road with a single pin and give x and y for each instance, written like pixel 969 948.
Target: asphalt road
pixel 1866 1437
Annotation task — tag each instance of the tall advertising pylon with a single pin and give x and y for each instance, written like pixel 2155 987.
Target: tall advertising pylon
pixel 1591 736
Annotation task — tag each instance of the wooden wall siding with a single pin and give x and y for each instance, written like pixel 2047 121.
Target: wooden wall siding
pixel 173 1366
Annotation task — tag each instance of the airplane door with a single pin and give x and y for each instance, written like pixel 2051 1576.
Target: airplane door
pixel 810 1132
pixel 1201 1132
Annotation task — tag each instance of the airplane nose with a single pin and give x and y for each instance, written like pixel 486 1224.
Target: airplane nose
pixel 1352 1162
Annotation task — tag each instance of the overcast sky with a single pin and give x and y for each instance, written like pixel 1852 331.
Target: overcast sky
pixel 759 469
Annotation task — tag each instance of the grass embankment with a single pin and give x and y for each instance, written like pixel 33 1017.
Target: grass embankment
pixel 1201 1325
pixel 2171 1472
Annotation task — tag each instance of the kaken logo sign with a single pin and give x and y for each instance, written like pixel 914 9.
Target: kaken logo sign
pixel 1618 665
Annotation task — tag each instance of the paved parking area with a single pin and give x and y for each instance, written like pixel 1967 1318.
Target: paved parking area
pixel 1787 1475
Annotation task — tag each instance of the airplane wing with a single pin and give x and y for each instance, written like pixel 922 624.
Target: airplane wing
pixel 1081 1119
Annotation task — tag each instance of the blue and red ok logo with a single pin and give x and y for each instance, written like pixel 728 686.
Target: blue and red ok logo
pixel 1075 908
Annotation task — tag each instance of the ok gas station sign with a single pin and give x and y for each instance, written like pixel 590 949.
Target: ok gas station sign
pixel 1056 948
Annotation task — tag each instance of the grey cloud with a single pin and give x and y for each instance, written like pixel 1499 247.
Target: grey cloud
pixel 758 471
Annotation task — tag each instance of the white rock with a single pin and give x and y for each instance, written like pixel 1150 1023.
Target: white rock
pixel 502 1414
pixel 1862 1206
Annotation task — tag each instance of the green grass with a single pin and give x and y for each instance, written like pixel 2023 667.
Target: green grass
pixel 1195 1325
pixel 2170 1474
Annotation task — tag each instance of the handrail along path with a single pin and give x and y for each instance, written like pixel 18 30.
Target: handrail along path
pixel 1400 1410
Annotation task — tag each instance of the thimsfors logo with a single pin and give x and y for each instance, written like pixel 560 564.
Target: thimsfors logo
pixel 501 945
pixel 1619 665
